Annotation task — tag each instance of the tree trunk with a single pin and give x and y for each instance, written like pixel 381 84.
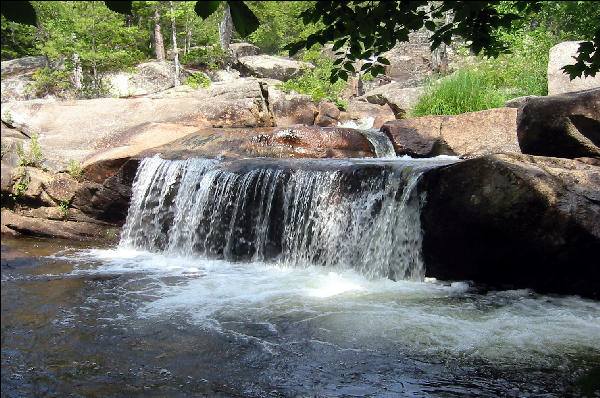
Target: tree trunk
pixel 176 81
pixel 77 71
pixel 226 29
pixel 94 66
pixel 159 45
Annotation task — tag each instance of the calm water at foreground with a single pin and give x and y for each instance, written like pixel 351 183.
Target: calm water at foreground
pixel 84 321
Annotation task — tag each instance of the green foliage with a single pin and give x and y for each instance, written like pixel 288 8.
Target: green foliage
pixel 64 206
pixel 362 29
pixel 467 90
pixel 33 157
pixel 46 81
pixel 316 81
pixel 280 24
pixel 97 35
pixel 74 169
pixel 18 40
pixel 22 183
pixel 198 79
pixel 208 57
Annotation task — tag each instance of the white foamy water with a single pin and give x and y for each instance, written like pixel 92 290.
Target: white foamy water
pixel 351 311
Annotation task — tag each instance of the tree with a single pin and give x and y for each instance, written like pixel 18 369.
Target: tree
pixel 365 29
pixel 159 46
pixel 176 81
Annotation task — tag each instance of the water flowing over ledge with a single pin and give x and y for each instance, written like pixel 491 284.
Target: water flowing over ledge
pixel 357 213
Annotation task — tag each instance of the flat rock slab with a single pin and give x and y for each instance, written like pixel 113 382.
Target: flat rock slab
pixel 77 129
pixel 467 135
pixel 277 142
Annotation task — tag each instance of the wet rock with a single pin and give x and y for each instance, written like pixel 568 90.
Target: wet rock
pixel 358 110
pixel 558 81
pixel 565 125
pixel 328 114
pixel 513 220
pixel 16 224
pixel 278 142
pixel 467 135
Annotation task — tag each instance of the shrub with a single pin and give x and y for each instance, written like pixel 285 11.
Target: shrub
pixel 45 81
pixel 74 169
pixel 315 81
pixel 208 57
pixel 33 157
pixel 198 79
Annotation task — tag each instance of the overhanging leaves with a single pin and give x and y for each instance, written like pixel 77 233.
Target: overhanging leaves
pixel 244 20
pixel 122 7
pixel 19 11
pixel 205 8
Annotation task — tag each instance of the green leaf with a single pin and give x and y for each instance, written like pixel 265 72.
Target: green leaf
pixel 343 75
pixel 382 60
pixel 430 25
pixel 349 67
pixel 366 66
pixel 122 7
pixel 205 8
pixel 338 44
pixel 19 11
pixel 244 20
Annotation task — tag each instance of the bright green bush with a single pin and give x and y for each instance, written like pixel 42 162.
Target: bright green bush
pixel 198 79
pixel 46 81
pixel 315 81
pixel 209 57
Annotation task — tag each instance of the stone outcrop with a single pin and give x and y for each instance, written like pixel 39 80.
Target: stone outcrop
pixel 558 81
pixel 86 126
pixel 271 67
pixel 400 99
pixel 289 109
pixel 565 125
pixel 45 203
pixel 23 65
pixel 359 112
pixel 329 114
pixel 513 220
pixel 147 78
pixel 467 135
pixel 276 142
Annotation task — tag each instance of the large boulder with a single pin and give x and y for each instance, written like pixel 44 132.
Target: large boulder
pixel 45 203
pixel 368 115
pixel 565 125
pixel 513 220
pixel 23 65
pixel 400 99
pixel 558 81
pixel 271 67
pixel 329 114
pixel 146 78
pixel 276 142
pixel 77 129
pixel 467 135
pixel 289 109
pixel 238 50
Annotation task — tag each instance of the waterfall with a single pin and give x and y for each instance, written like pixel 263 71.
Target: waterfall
pixel 356 213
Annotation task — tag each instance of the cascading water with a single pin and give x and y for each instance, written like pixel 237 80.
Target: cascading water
pixel 355 214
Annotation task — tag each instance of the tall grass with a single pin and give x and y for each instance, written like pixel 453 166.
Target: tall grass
pixel 489 83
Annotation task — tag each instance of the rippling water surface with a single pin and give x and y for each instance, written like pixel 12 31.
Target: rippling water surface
pixel 114 322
